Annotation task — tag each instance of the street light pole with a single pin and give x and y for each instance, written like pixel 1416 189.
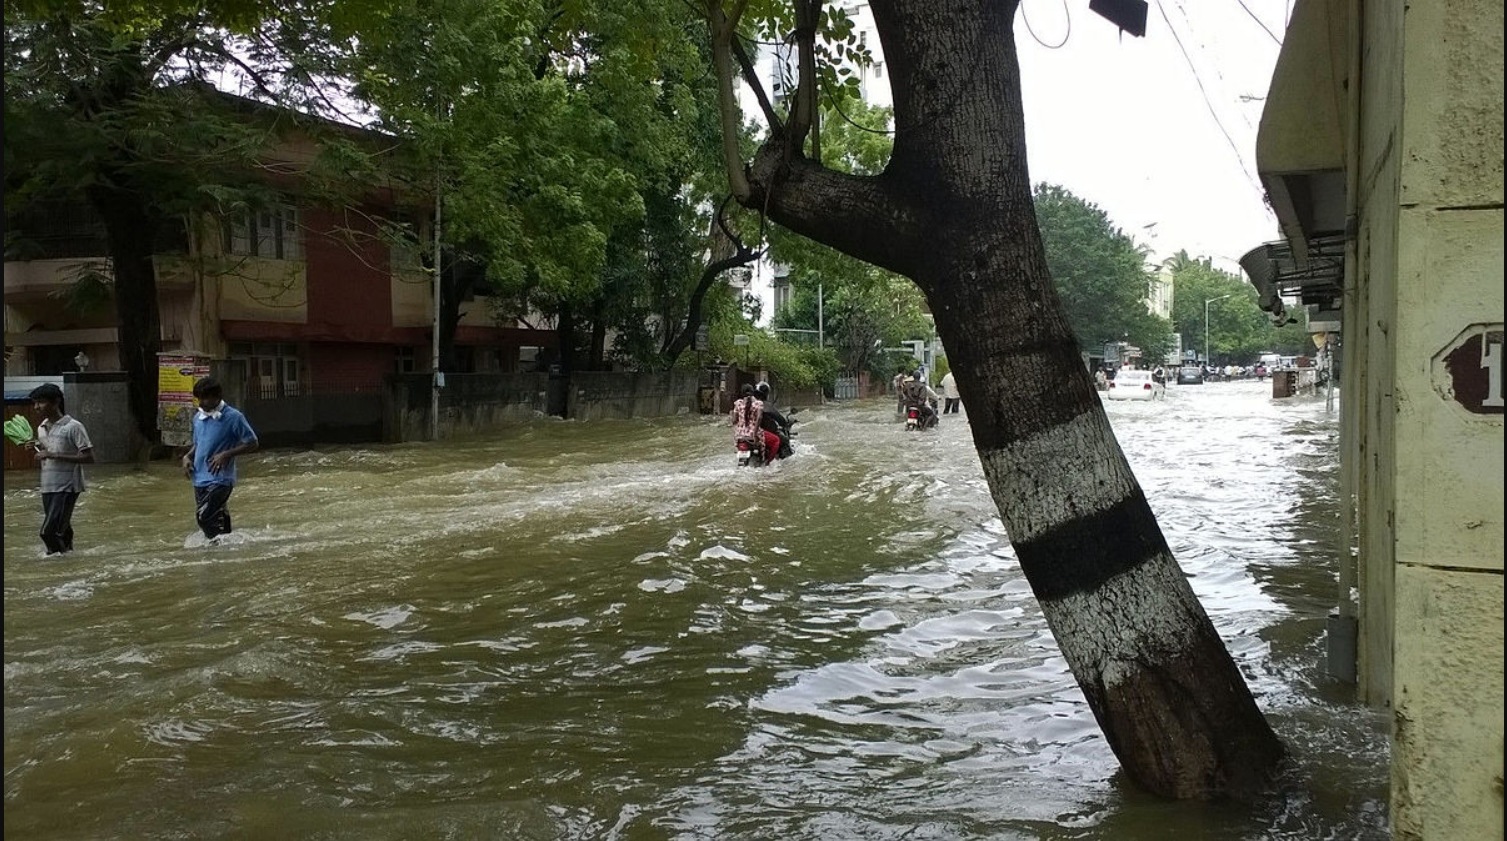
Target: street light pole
pixel 1206 324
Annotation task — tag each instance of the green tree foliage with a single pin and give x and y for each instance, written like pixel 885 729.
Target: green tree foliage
pixel 1239 331
pixel 859 319
pixel 575 145
pixel 1100 272
pixel 106 108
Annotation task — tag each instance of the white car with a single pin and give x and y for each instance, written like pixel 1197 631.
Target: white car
pixel 1129 384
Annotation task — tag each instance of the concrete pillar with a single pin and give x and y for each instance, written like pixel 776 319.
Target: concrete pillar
pixel 98 400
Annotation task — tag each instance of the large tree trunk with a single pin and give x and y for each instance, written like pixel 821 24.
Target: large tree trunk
pixel 132 228
pixel 953 212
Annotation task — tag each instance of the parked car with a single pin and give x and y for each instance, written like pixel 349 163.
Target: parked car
pixel 1190 375
pixel 1129 384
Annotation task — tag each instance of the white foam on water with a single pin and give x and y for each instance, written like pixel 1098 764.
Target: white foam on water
pixel 720 551
pixel 387 618
pixel 661 585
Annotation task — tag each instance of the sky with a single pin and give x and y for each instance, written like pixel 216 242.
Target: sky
pixel 1121 121
pixel 1160 131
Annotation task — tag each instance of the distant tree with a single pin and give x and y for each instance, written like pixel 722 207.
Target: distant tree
pixel 1238 330
pixel 1100 273
pixel 859 320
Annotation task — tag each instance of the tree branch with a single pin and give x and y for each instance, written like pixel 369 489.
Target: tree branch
pixel 863 216
pixel 723 31
pixel 751 78
pixel 804 118
pixel 742 256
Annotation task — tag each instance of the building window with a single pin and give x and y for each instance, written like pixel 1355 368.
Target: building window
pixel 408 362
pixel 271 232
pixel 274 369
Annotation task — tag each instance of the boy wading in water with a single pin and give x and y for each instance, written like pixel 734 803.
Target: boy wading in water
pixel 62 449
pixel 220 433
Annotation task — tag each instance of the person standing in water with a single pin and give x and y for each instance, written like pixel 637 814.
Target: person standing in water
pixel 220 433
pixel 62 449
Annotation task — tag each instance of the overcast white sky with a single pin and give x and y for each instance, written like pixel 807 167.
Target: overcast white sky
pixel 1121 122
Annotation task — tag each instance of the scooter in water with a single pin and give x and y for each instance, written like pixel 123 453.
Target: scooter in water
pixel 752 453
pixel 916 419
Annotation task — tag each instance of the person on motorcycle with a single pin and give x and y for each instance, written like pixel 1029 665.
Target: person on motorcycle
pixel 773 421
pixel 919 394
pixel 747 414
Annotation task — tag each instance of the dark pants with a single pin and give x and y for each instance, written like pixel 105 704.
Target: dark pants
pixel 951 406
pixel 57 520
pixel 210 510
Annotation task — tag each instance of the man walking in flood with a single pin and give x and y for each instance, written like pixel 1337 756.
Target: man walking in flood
pixel 950 397
pixel 62 449
pixel 220 433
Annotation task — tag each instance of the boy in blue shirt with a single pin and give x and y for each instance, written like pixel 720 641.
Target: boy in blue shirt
pixel 220 433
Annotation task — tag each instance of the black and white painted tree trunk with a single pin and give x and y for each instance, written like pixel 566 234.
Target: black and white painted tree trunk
pixel 953 212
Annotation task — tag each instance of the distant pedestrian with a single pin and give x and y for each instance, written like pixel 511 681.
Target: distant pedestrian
pixel 220 433
pixel 62 449
pixel 898 386
pixel 950 397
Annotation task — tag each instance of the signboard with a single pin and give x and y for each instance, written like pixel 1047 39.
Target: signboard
pixel 703 340
pixel 1469 369
pixel 176 375
pixel 740 340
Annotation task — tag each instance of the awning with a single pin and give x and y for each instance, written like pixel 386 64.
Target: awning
pixel 1300 146
pixel 1277 273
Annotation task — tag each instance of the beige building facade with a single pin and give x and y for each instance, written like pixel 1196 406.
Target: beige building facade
pixel 1381 152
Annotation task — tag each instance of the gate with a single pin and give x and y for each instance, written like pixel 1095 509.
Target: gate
pixel 845 388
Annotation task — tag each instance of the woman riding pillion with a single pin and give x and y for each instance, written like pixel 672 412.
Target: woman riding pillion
pixel 747 416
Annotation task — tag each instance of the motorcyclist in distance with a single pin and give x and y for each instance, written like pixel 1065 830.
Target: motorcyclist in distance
pixel 919 394
pixel 772 420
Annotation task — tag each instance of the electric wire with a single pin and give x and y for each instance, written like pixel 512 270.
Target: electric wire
pixel 1217 72
pixel 1259 22
pixel 1066 14
pixel 1207 102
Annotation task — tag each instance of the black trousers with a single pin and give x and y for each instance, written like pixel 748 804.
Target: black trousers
pixel 57 520
pixel 950 405
pixel 210 509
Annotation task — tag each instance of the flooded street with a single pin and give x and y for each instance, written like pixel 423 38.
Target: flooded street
pixel 606 630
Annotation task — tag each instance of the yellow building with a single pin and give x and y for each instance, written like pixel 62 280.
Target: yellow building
pixel 1381 152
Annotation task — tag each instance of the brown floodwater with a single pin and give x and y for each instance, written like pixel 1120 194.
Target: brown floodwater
pixel 607 631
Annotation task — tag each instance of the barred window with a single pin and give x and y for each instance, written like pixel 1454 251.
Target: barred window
pixel 270 232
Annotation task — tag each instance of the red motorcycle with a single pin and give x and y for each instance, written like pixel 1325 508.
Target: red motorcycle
pixel 753 453
pixel 917 417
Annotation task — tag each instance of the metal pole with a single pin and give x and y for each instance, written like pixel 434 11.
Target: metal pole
pixel 821 337
pixel 1206 332
pixel 434 391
